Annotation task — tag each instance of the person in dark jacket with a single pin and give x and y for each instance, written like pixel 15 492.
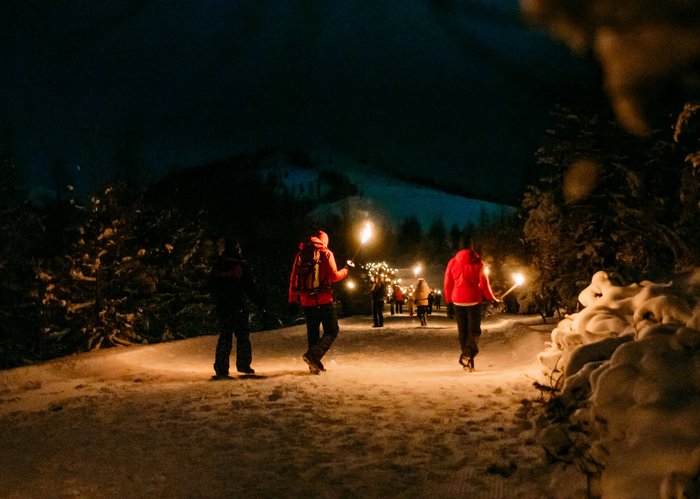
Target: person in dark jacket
pixel 318 304
pixel 232 285
pixel 378 293
pixel 466 286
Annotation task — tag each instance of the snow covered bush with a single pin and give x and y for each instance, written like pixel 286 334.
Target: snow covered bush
pixel 629 369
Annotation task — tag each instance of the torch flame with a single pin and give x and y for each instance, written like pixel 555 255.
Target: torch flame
pixel 366 233
pixel 519 279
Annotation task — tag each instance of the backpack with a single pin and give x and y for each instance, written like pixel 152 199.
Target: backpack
pixel 306 277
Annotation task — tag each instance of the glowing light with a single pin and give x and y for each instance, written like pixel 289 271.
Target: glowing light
pixel 416 270
pixel 519 280
pixel 364 237
pixel 487 270
pixel 350 284
pixel 366 233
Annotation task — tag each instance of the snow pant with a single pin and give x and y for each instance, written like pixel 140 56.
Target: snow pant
pixel 423 314
pixel 233 321
pixel 399 307
pixel 378 313
pixel 244 351
pixel 315 317
pixel 468 328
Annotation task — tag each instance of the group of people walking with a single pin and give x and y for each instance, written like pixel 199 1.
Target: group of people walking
pixel 314 271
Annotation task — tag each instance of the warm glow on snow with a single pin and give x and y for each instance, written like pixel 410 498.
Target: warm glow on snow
pixel 394 403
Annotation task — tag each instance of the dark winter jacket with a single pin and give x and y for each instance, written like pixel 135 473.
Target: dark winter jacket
pixel 328 274
pixel 232 283
pixel 465 280
pixel 378 291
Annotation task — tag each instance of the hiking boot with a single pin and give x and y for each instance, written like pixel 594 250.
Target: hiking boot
pixel 466 362
pixel 315 367
pixel 323 369
pixel 246 370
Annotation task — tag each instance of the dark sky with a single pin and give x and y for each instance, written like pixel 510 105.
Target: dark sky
pixel 456 90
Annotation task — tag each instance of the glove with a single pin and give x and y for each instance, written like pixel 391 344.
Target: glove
pixel 293 308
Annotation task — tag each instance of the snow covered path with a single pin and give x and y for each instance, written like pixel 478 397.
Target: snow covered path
pixel 394 416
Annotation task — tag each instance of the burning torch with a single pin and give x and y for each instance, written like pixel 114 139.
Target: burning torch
pixel 364 237
pixel 519 279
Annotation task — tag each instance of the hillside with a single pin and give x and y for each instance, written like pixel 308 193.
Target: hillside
pixel 382 195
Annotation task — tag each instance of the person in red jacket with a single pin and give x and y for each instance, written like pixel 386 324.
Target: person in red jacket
pixel 318 304
pixel 466 286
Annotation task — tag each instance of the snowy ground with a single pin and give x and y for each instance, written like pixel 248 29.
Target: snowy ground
pixel 394 416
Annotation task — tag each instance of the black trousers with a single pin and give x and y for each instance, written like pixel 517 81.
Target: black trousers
pixel 234 322
pixel 468 328
pixel 321 315
pixel 422 313
pixel 378 312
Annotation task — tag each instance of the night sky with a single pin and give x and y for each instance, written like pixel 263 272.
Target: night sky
pixel 456 90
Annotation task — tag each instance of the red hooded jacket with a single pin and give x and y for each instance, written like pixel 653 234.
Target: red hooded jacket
pixel 465 280
pixel 328 274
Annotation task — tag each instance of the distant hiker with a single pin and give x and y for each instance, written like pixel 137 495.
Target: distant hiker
pixel 398 297
pixel 410 303
pixel 466 286
pixel 438 299
pixel 378 293
pixel 232 285
pixel 313 272
pixel 431 300
pixel 421 299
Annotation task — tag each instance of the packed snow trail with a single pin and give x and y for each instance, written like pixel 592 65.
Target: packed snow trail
pixel 394 416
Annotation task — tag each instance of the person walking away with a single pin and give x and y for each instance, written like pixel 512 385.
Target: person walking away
pixel 438 299
pixel 421 299
pixel 378 293
pixel 410 304
pixel 232 285
pixel 431 300
pixel 313 273
pixel 398 297
pixel 466 286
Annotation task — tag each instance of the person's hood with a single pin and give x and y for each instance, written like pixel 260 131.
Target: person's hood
pixel 467 257
pixel 319 241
